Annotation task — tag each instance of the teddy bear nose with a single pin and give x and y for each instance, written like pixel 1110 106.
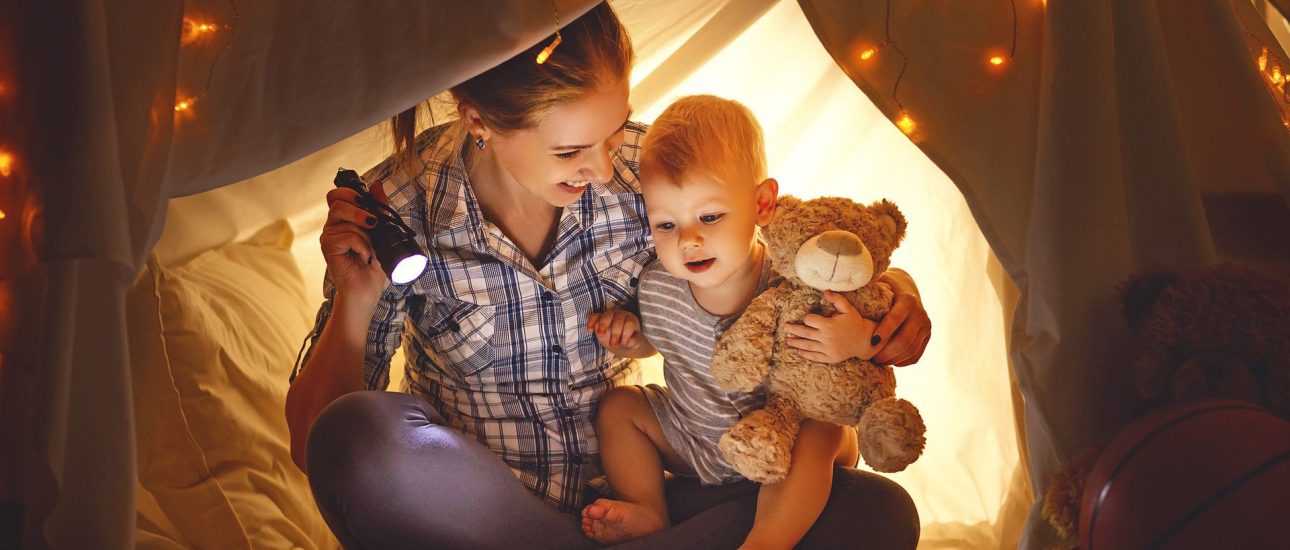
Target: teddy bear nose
pixel 839 243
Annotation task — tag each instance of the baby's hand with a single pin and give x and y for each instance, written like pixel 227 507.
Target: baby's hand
pixel 835 338
pixel 618 330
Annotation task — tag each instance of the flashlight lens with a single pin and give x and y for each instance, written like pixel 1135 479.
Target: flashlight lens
pixel 408 269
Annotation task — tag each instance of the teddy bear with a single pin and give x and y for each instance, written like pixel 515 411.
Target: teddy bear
pixel 1220 331
pixel 815 245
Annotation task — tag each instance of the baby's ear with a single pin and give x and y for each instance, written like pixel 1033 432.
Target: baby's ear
pixel 783 206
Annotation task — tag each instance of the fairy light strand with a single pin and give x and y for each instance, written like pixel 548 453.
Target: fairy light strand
pixel 186 104
pixel 546 52
pixel 903 120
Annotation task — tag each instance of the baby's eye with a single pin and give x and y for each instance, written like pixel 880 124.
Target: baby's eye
pixel 710 218
pixel 568 155
pixel 665 226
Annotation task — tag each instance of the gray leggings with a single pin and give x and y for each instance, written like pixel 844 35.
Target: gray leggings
pixel 386 476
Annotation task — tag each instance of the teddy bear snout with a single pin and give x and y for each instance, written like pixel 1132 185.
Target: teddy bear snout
pixel 834 260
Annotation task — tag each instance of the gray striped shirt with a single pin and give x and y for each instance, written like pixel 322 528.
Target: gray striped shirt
pixel 693 412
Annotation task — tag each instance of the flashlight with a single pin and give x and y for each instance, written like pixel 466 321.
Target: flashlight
pixel 392 240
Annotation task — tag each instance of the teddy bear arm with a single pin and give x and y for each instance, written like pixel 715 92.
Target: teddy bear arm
pixel 873 300
pixel 743 355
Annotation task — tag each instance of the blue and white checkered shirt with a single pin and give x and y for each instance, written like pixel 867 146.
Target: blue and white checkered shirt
pixel 496 345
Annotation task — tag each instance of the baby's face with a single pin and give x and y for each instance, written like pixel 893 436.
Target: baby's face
pixel 704 229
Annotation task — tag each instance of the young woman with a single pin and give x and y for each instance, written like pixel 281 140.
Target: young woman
pixel 529 209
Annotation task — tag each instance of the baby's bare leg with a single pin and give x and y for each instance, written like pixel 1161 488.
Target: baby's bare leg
pixel 632 450
pixel 787 509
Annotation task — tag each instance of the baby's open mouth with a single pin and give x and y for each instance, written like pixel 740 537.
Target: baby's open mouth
pixel 575 186
pixel 699 266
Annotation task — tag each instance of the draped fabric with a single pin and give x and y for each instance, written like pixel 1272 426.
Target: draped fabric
pixel 1084 156
pixel 1030 190
pixel 99 83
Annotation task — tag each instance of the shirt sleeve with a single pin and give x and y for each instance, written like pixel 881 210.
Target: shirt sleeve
pixel 384 333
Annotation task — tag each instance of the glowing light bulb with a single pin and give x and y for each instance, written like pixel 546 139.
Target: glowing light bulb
pixel 868 54
pixel 183 105
pixel 195 30
pixel 546 52
pixel 1263 60
pixel 1277 77
pixel 6 163
pixel 997 60
pixel 2 216
pixel 906 124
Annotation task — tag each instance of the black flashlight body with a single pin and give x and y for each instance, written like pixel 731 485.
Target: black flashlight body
pixel 393 242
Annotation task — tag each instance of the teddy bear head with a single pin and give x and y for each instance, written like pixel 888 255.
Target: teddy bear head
pixel 832 243
pixel 1220 331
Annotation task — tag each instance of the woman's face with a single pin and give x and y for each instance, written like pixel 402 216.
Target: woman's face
pixel 571 146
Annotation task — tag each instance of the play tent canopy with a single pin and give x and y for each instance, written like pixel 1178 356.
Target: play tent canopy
pixel 1041 150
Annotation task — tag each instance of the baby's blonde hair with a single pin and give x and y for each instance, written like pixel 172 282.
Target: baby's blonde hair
pixel 714 136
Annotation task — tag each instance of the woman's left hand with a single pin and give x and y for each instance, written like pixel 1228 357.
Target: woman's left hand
pixel 906 329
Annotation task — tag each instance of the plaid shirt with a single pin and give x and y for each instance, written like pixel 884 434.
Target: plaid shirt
pixel 496 345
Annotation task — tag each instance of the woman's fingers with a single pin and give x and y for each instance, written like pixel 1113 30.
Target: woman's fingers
pixel 342 212
pixel 339 241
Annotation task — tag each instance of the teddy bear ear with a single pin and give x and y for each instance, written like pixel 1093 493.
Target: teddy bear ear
pixel 894 223
pixel 1141 290
pixel 784 205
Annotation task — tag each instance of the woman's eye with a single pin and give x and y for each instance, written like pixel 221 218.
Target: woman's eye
pixel 568 155
pixel 665 226
pixel 710 218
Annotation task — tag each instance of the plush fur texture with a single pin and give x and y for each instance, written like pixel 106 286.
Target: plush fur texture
pixel 1219 331
pixel 835 239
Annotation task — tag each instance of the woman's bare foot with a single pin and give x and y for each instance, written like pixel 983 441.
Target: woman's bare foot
pixel 613 521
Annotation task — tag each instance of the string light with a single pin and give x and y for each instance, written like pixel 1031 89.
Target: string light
pixel 1263 60
pixel 546 52
pixel 195 30
pixel 906 124
pixel 903 120
pixel 6 163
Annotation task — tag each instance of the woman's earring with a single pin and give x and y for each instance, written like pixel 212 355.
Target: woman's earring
pixel 479 143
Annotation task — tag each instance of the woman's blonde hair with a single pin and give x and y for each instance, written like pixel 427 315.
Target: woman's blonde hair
pixel 714 136
pixel 595 49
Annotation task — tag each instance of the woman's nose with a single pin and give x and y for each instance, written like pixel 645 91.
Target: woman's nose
pixel 601 164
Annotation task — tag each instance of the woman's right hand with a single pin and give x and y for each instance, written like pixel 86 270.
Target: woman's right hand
pixel 351 261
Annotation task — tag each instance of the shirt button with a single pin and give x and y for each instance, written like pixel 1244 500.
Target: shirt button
pixel 547 297
pixel 557 349
pixel 452 326
pixel 634 281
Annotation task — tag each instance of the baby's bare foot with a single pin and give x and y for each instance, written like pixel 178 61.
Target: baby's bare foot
pixel 613 521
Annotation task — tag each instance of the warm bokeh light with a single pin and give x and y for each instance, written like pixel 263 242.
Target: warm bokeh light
pixel 183 105
pixel 868 54
pixel 6 163
pixel 2 215
pixel 906 124
pixel 997 60
pixel 543 55
pixel 195 30
pixel 1263 60
pixel 1277 78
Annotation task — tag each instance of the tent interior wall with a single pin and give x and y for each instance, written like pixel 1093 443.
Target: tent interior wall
pixel 1115 135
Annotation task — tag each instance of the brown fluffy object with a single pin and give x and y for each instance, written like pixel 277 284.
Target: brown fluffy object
pixel 843 246
pixel 1219 331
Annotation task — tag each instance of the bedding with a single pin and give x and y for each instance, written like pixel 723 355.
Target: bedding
pixel 212 343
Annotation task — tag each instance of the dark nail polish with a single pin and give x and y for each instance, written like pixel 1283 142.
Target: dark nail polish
pixel 371 220
pixel 877 339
